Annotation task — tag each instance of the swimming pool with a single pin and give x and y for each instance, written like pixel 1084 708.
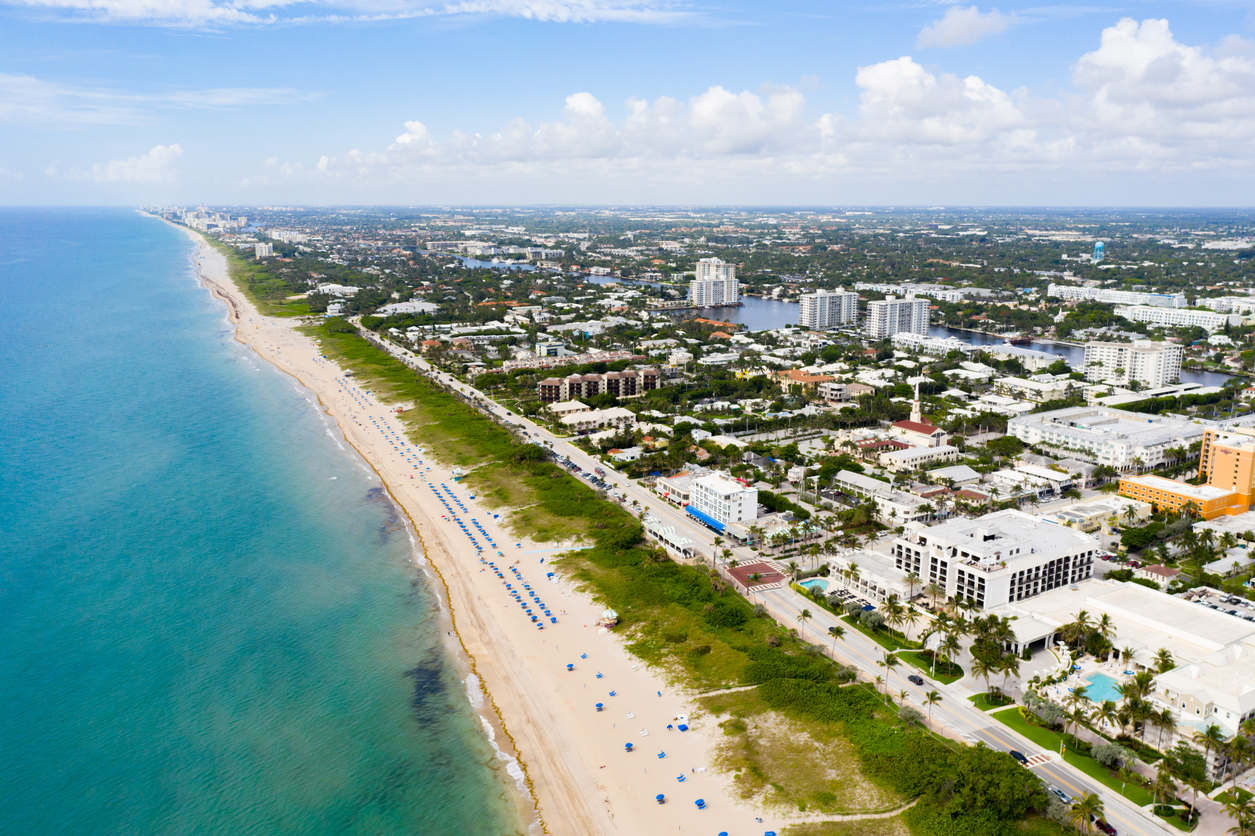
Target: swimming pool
pixel 1100 688
pixel 816 583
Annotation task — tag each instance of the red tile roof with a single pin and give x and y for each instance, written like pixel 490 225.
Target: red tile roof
pixel 917 427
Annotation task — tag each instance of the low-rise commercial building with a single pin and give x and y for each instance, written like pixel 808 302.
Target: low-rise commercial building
pixel 597 418
pixel 893 508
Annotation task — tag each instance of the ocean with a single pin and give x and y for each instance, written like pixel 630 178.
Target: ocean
pixel 211 619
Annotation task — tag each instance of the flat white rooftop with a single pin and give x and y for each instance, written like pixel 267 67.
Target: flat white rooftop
pixel 1199 492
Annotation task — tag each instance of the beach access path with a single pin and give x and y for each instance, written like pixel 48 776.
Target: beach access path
pixel 578 776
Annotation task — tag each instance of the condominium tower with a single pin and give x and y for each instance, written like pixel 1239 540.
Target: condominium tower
pixel 889 316
pixel 715 284
pixel 827 309
pixel 1151 364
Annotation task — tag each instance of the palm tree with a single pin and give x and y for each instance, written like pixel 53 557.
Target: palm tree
pixel 1164 661
pixel 1126 656
pixel 1106 627
pixel 1084 812
pixel 948 648
pixel 1209 738
pixel 837 632
pixel 1240 751
pixel 983 669
pixel 1163 786
pixel 1130 514
pixel 931 699
pixel 1107 713
pixel 1077 631
pixel 934 591
pixel 909 619
pixel 889 662
pixel 1074 719
pixel 1008 666
pixel 912 580
pixel 803 617
pixel 1242 811
pixel 1164 721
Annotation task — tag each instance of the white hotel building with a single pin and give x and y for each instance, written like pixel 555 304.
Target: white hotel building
pixel 1152 364
pixel 996 559
pixel 886 317
pixel 827 309
pixel 1106 436
pixel 1179 318
pixel 1116 297
pixel 715 284
pixel 716 501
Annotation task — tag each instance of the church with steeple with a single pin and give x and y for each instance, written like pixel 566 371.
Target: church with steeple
pixel 916 431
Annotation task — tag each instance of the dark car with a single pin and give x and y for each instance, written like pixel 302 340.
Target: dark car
pixel 1019 756
pixel 915 680
pixel 1102 825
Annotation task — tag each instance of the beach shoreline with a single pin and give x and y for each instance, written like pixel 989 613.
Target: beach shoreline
pixel 576 776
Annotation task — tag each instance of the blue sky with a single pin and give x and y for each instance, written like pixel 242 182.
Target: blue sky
pixel 626 101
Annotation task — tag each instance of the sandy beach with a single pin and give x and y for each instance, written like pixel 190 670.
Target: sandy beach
pixel 571 757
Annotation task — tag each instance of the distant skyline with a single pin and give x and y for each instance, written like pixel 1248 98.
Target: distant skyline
pixel 626 101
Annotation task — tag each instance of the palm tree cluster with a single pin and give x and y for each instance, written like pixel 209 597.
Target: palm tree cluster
pixel 992 637
pixel 1087 634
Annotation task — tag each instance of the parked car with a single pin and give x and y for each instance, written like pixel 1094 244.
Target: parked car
pixel 1061 795
pixel 1102 825
pixel 915 679
pixel 1019 756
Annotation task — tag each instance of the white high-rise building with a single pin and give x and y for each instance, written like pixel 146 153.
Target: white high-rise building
pixel 715 284
pixel 827 309
pixel 263 250
pixel 717 500
pixel 1152 364
pixel 891 316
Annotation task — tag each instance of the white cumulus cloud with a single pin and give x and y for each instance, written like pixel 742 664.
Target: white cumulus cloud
pixel 961 26
pixel 156 166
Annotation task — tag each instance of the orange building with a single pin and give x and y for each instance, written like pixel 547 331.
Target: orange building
pixel 1227 460
pixel 1170 495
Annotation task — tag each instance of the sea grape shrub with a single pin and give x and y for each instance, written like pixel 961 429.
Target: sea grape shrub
pixel 726 615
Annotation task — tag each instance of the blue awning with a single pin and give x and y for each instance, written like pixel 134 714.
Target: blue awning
pixel 705 519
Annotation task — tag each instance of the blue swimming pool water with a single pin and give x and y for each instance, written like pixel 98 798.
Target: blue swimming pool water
pixel 816 583
pixel 1101 688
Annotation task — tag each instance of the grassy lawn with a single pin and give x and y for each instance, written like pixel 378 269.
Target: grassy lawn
pixel 982 702
pixel 1176 821
pixel 1228 795
pixel 1050 740
pixel 889 640
pixel 947 672
pixel 781 762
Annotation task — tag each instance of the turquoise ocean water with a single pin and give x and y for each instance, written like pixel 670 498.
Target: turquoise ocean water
pixel 210 621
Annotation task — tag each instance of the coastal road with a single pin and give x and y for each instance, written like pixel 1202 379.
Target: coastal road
pixel 955 711
pixel 702 537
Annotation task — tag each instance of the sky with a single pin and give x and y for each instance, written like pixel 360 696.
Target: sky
pixel 626 102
